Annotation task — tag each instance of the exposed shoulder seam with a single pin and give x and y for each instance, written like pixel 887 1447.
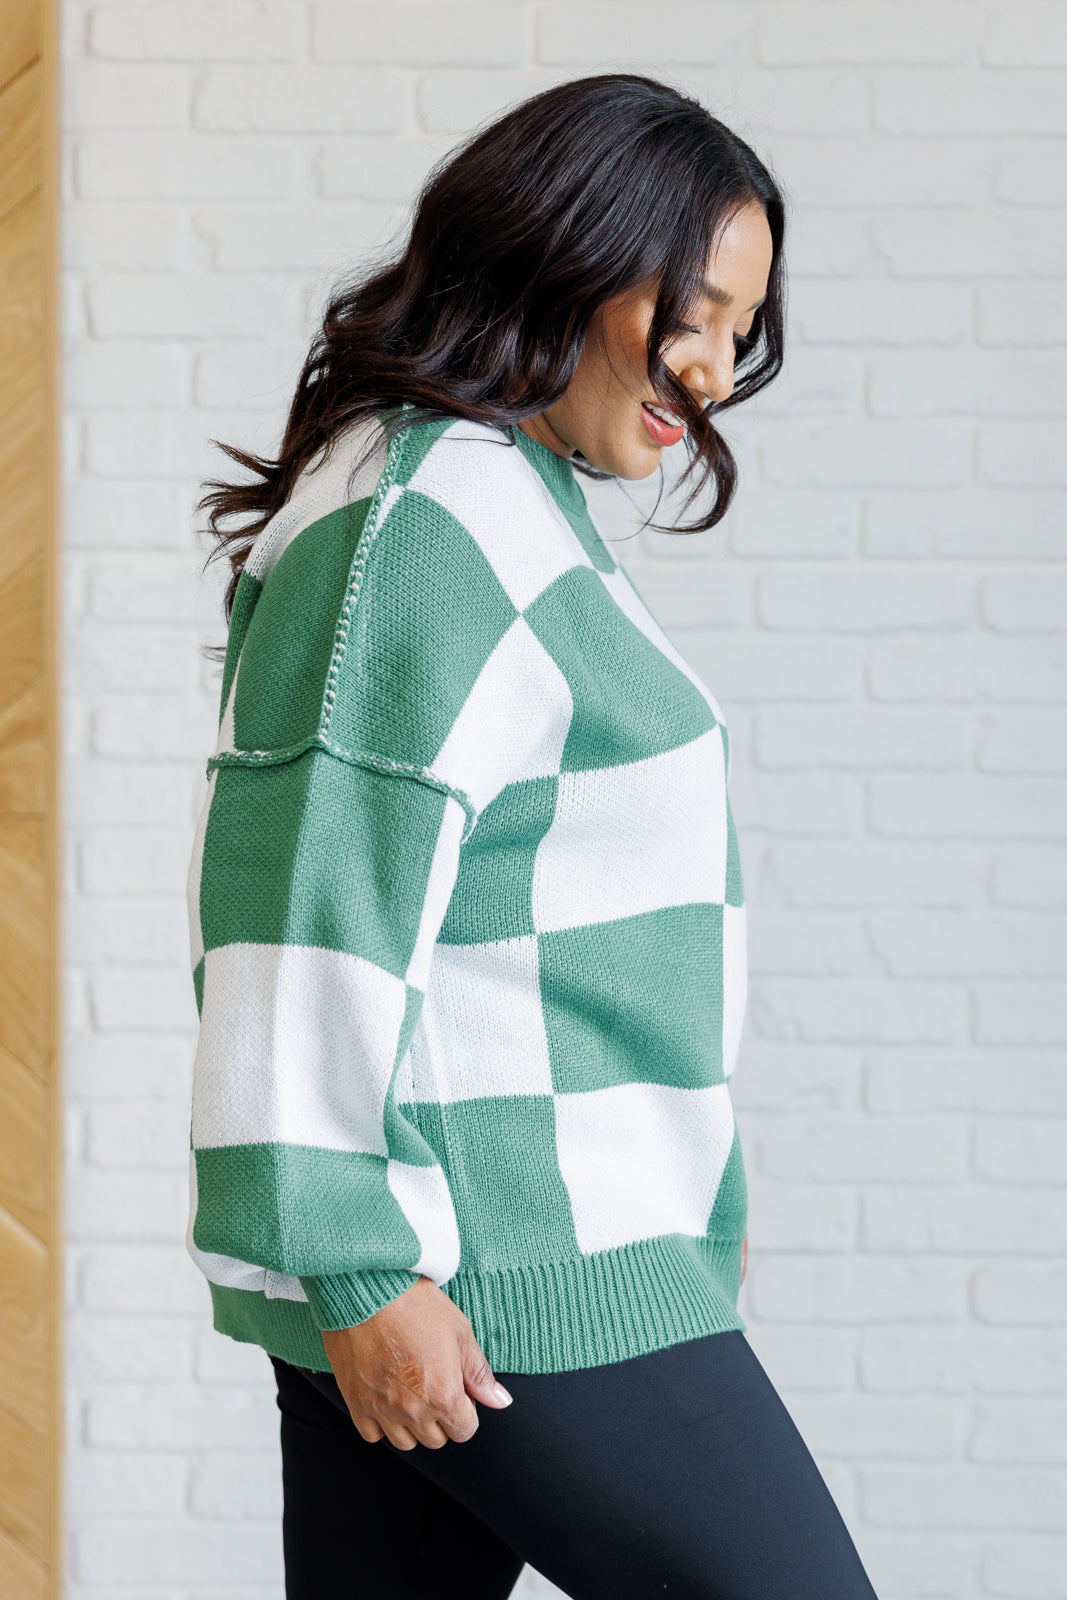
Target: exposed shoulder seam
pixel 368 534
pixel 354 758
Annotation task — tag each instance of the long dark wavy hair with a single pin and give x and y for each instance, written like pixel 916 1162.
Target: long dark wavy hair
pixel 581 193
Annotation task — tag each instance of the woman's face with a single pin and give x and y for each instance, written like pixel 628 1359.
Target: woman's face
pixel 604 413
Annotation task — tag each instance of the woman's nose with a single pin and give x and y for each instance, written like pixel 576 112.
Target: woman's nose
pixel 710 380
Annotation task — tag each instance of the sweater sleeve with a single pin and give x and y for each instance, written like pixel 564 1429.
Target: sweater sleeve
pixel 326 853
pixel 382 685
pixel 322 886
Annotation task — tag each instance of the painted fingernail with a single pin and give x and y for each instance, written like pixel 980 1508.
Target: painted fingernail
pixel 502 1394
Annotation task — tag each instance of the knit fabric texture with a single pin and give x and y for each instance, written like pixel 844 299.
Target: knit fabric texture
pixel 467 924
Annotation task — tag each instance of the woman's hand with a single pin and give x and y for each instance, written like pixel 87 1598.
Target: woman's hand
pixel 744 1256
pixel 412 1371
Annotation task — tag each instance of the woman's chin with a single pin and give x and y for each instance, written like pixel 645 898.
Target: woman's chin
pixel 628 461
pixel 640 464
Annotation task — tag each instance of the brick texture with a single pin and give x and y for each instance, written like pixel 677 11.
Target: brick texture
pixel 881 615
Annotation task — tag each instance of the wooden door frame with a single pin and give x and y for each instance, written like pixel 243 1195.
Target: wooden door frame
pixel 31 1285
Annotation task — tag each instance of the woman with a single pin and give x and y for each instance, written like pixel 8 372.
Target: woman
pixel 466 904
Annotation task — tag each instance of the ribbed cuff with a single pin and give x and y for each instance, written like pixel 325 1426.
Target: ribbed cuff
pixel 344 1299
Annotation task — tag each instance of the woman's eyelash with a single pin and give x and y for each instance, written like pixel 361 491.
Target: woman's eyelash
pixel 742 341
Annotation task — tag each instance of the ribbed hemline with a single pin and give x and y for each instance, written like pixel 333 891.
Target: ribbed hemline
pixel 554 1317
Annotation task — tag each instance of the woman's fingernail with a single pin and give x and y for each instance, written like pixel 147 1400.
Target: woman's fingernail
pixel 502 1394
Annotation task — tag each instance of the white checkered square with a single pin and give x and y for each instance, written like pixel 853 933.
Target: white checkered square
pixel 296 1046
pixel 423 1195
pixel 667 846
pixel 488 486
pixel 439 886
pixel 481 1030
pixel 642 1159
pixel 513 724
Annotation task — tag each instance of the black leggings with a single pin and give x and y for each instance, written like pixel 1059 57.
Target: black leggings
pixel 675 1473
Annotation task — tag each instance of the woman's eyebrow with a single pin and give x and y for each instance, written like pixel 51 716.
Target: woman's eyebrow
pixel 721 297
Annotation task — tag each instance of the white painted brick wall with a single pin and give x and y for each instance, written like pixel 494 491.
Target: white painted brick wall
pixel 881 615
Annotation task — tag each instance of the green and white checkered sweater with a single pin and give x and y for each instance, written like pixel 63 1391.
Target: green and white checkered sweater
pixel 467 925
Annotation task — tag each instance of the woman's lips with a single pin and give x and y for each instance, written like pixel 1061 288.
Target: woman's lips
pixel 662 432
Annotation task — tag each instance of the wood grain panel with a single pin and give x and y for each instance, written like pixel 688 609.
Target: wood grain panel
pixel 24 1472
pixel 30 1410
pixel 24 1192
pixel 22 1577
pixel 20 39
pixel 24 1284
pixel 25 978
pixel 23 750
pixel 20 137
pixel 24 403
